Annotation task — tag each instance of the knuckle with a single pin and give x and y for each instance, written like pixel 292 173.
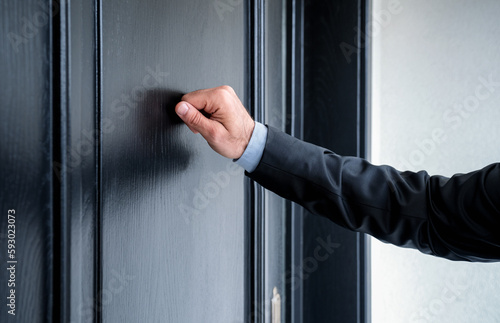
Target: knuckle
pixel 227 88
pixel 195 119
pixel 186 96
pixel 226 92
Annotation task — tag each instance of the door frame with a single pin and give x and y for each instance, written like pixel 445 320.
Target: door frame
pixel 347 49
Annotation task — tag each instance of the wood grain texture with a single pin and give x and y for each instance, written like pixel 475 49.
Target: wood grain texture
pixel 172 233
pixel 82 167
pixel 25 155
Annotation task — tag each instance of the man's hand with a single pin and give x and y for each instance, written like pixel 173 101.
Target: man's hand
pixel 228 127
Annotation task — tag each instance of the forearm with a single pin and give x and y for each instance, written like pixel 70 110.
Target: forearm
pixel 457 218
pixel 405 209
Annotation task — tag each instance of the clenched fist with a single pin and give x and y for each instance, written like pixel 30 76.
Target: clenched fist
pixel 225 123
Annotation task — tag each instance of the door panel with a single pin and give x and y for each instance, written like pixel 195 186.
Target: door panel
pixel 124 214
pixel 26 210
pixel 172 210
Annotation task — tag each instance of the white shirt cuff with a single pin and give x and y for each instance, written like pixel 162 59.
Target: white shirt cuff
pixel 253 153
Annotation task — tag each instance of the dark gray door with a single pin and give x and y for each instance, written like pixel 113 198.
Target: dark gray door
pixel 172 210
pixel 121 213
pixel 25 163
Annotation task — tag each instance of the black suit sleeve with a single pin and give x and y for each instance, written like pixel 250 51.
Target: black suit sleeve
pixel 457 218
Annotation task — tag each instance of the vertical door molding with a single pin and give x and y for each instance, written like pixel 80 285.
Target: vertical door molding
pixel 60 152
pixel 256 204
pixel 295 99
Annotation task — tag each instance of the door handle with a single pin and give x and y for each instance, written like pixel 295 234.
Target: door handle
pixel 276 306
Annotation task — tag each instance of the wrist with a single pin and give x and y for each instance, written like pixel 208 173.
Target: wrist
pixel 254 150
pixel 247 136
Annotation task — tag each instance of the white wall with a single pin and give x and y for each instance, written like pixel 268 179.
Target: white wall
pixel 429 57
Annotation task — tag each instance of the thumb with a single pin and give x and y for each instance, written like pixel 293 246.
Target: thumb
pixel 192 117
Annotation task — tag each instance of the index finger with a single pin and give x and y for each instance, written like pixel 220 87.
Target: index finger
pixel 209 100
